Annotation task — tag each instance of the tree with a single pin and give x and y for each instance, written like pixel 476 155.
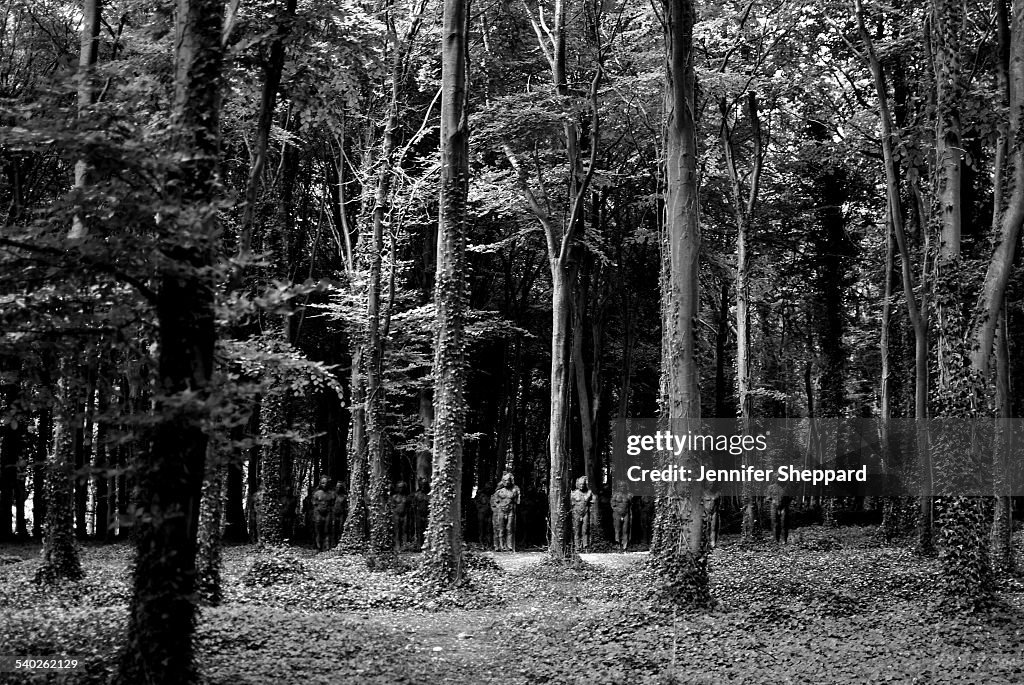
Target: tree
pixel 163 610
pixel 443 546
pixel 681 545
pixel 561 233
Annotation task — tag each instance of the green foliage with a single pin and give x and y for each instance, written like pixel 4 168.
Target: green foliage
pixel 272 566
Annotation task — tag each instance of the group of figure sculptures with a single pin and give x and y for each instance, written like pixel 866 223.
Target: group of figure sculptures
pixel 327 508
pixel 632 518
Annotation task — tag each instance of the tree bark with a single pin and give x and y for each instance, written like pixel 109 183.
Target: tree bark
pixel 60 553
pixel 443 545
pixel 211 516
pixel 162 616
pixel 272 69
pixel 560 244
pixel 680 548
pixel 743 210
pixel 918 316
pixel 87 56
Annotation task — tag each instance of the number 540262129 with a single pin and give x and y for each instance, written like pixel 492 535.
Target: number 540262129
pixel 16 663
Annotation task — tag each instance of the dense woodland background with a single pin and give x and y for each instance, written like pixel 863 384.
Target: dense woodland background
pixel 221 243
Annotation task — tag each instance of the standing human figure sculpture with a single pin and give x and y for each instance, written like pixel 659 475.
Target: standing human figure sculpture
pixel 712 500
pixel 581 500
pixel 482 501
pixel 420 512
pixel 256 507
pixel 323 503
pixel 622 517
pixel 400 513
pixel 503 514
pixel 778 503
pixel 338 513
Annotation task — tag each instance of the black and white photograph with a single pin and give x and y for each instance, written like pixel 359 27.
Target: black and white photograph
pixel 511 342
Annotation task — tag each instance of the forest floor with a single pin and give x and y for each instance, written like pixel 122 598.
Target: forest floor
pixel 830 607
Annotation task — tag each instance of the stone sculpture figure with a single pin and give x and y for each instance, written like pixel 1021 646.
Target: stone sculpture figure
pixel 338 514
pixel 323 503
pixel 581 501
pixel 400 514
pixel 420 512
pixel 256 507
pixel 778 503
pixel 622 517
pixel 711 516
pixel 482 501
pixel 503 513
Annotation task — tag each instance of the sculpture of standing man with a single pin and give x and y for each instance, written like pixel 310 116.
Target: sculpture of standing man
pixel 323 505
pixel 503 514
pixel 400 511
pixel 622 517
pixel 582 500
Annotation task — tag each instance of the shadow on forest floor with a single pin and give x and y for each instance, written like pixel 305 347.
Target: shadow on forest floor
pixel 831 607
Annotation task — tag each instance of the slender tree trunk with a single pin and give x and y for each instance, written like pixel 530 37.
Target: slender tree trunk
pixel 60 553
pixel 443 545
pixel 234 513
pixel 355 523
pixel 272 69
pixel 1001 544
pixel 918 315
pixel 743 209
pixel 9 453
pixel 560 243
pixel 585 398
pixel 681 544
pixel 722 408
pixel 379 461
pixel 211 516
pixel 44 434
pixel 87 56
pixel 102 520
pixel 162 614
pixel 559 479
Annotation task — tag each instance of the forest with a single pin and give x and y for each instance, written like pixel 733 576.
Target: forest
pixel 325 326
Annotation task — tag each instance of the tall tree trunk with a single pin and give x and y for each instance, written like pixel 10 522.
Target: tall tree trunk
pixel 234 503
pixel 272 68
pixel 1001 544
pixel 379 461
pixel 102 521
pixel 276 414
pixel 211 516
pixel 918 315
pixel 9 453
pixel 560 244
pixel 355 522
pixel 743 210
pixel 162 615
pixel 966 565
pixel 722 408
pixel 681 544
pixel 60 554
pixel 443 545
pixel 378 487
pixel 87 56
pixel 44 434
pixel 424 455
pixel 585 397
pixel 559 481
